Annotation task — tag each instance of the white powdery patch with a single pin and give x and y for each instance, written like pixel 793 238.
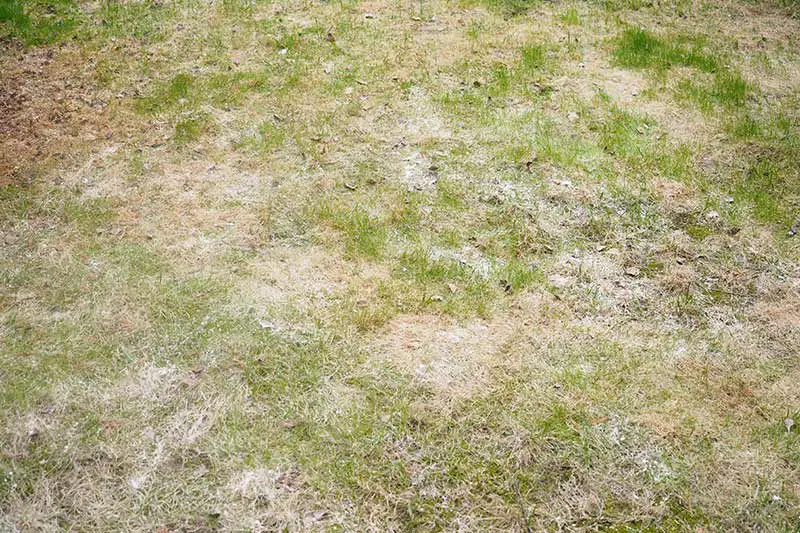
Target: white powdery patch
pixel 417 174
pixel 270 499
pixel 454 359
pixel 423 122
pixel 150 382
pixel 620 432
pixel 467 256
pixel 652 462
pixel 260 483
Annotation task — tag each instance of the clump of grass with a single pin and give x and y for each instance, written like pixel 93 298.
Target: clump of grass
pixel 177 91
pixel 533 58
pixel 87 215
pixel 191 128
pixel 267 138
pixel 727 89
pixel 140 20
pixel 516 275
pixel 226 89
pixel 570 17
pixel 617 5
pixel 625 134
pixel 422 267
pixel 763 187
pixel 487 83
pixel 745 127
pixel 364 234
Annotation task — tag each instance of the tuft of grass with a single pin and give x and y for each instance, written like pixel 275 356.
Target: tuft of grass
pixel 570 17
pixel 727 89
pixel 190 129
pixel 533 59
pixel 143 21
pixel 269 136
pixel 764 188
pixel 516 275
pixel 364 234
pixel 167 96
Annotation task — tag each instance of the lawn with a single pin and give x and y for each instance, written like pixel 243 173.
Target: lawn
pixel 441 265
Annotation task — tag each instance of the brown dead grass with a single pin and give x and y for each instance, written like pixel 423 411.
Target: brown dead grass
pixel 50 106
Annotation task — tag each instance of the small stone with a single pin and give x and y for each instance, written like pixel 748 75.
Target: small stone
pixel 729 199
pixel 572 116
pixel 453 288
pixel 437 298
pixel 557 385
pixel 369 15
pixel 283 51
pixel 633 272
pixel 712 215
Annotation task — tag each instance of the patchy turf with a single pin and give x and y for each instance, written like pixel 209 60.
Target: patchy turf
pixel 487 265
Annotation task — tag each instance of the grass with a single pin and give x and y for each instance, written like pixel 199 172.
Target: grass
pixel 421 267
pixel 37 23
pixel 638 48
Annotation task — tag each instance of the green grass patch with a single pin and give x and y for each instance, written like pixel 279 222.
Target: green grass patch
pixel 764 187
pixel 638 48
pixel 364 234
pixel 191 128
pixel 38 22
pixel 570 17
